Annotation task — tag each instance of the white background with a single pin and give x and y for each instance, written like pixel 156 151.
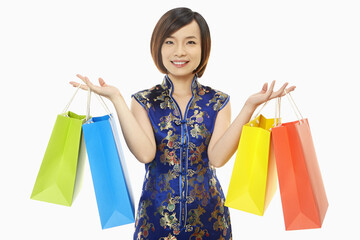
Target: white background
pixel 44 44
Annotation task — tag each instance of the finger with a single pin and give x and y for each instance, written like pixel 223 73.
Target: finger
pixel 271 89
pixel 81 77
pixel 290 89
pixel 287 90
pixel 85 80
pixel 82 86
pixel 272 85
pixel 280 92
pixel 264 88
pixel 88 83
pixel 74 84
pixel 102 82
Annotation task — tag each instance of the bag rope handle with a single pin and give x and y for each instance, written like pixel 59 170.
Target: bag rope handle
pixel 87 105
pixel 71 99
pixel 294 107
pixel 258 112
pixel 277 112
pixel 102 102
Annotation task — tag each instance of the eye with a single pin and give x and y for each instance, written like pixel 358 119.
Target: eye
pixel 168 42
pixel 191 42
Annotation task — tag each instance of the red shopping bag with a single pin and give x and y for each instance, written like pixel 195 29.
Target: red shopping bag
pixel 302 191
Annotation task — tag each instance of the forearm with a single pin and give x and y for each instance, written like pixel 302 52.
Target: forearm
pixel 141 146
pixel 225 147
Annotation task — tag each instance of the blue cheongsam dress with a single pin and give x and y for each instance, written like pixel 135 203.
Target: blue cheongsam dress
pixel 181 196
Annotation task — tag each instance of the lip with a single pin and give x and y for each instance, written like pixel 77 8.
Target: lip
pixel 179 64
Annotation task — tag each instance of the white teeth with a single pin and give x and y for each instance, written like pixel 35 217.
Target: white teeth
pixel 179 63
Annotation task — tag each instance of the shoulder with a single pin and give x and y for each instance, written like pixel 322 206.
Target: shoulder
pixel 215 98
pixel 146 97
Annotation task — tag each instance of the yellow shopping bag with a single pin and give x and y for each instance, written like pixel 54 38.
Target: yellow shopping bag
pixel 254 180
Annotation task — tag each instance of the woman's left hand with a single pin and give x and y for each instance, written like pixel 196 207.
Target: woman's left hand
pixel 267 94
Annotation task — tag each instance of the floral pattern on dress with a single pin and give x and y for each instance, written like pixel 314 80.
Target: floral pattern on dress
pixel 182 197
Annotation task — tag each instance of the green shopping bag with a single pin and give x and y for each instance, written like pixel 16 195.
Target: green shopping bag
pixel 56 178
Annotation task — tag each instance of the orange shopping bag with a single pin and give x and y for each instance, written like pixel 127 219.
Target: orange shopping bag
pixel 301 187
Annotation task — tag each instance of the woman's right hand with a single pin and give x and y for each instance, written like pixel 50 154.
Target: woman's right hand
pixel 104 90
pixel 138 137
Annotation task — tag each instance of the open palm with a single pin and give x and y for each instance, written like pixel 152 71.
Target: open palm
pixel 104 90
pixel 267 94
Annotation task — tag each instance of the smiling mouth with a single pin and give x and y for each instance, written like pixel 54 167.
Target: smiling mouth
pixel 179 63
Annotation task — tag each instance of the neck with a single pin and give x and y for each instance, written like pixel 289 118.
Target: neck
pixel 182 85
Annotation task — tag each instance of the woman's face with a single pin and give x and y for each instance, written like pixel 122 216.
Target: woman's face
pixel 181 52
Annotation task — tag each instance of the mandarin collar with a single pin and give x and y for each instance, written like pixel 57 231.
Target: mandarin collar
pixel 168 84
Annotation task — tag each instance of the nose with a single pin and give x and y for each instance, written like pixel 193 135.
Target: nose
pixel 180 50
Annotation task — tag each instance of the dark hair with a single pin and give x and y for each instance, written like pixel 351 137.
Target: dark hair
pixel 169 23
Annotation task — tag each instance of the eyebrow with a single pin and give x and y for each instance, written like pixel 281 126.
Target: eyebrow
pixel 189 37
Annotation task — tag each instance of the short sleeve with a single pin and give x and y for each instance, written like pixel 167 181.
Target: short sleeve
pixel 220 100
pixel 223 101
pixel 142 98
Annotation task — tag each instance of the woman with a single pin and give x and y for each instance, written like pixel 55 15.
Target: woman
pixel 181 130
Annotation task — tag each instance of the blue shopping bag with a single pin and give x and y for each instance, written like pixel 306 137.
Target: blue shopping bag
pixel 108 171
